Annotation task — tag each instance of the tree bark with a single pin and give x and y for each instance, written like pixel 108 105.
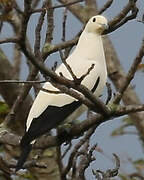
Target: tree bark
pixel 10 92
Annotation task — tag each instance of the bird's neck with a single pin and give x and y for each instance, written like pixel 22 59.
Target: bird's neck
pixel 90 46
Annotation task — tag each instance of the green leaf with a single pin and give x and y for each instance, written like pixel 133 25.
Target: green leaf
pixel 124 177
pixel 140 67
pixel 139 161
pixel 113 107
pixel 4 110
pixel 128 120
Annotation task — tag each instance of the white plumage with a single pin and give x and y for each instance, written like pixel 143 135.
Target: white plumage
pixel 88 51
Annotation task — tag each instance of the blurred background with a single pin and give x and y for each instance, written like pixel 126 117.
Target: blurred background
pixel 113 136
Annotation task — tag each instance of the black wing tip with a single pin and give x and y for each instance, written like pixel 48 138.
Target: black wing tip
pixel 24 154
pixel 19 165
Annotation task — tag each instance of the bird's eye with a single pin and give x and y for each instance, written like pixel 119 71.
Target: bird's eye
pixel 94 19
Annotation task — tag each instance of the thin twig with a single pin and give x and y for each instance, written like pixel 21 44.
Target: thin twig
pixel 75 151
pixel 50 23
pixel 105 7
pixel 64 25
pixel 9 40
pixel 123 13
pixel 21 82
pixel 24 21
pixel 110 172
pixel 22 43
pixel 86 160
pixel 125 20
pixel 75 131
pixel 1 26
pixel 37 33
pixel 76 80
pixel 66 151
pixel 52 92
pixel 57 6
pixel 16 61
pixel 67 66
pixel 121 110
pixel 54 67
pixel 130 74
pixel 61 80
pixel 109 92
pixel 122 17
pixel 87 73
pixel 54 48
pixel 35 3
pixel 137 176
pixel 28 164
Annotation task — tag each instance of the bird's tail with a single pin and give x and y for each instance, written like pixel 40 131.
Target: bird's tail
pixel 24 154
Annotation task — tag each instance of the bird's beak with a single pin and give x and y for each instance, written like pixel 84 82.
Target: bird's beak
pixel 105 26
pixel 102 27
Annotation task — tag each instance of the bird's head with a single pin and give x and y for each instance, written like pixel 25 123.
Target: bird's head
pixel 97 24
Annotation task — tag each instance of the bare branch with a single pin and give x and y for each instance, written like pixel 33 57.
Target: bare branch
pixel 78 96
pixel 136 175
pixel 25 19
pixel 16 61
pixel 75 131
pixel 54 48
pixel 122 17
pixel 87 73
pixel 121 110
pixel 50 23
pixel 75 151
pixel 35 3
pixel 9 40
pixel 109 92
pixel 28 164
pixel 90 3
pixel 67 66
pixel 58 6
pixel 52 92
pixel 21 82
pixel 37 33
pixel 86 159
pixel 76 80
pixel 123 13
pixel 67 149
pixel 105 7
pixel 130 74
pixel 64 25
pixel 68 83
pixel 110 172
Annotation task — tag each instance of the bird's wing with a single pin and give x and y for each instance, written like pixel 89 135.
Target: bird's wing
pixel 48 109
pixel 44 100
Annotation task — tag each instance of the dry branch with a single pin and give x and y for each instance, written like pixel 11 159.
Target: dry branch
pixel 130 74
pixel 37 34
pixel 110 172
pixel 75 131
pixel 55 7
pixel 105 7
pixel 50 23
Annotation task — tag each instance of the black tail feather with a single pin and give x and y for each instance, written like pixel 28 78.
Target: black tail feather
pixel 24 154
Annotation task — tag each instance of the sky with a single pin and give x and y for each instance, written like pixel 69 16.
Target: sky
pixel 127 41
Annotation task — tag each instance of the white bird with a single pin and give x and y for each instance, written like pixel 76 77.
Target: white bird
pixel 49 110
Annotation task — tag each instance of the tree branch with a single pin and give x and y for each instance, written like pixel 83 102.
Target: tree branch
pixel 130 74
pixel 75 131
pixel 57 6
